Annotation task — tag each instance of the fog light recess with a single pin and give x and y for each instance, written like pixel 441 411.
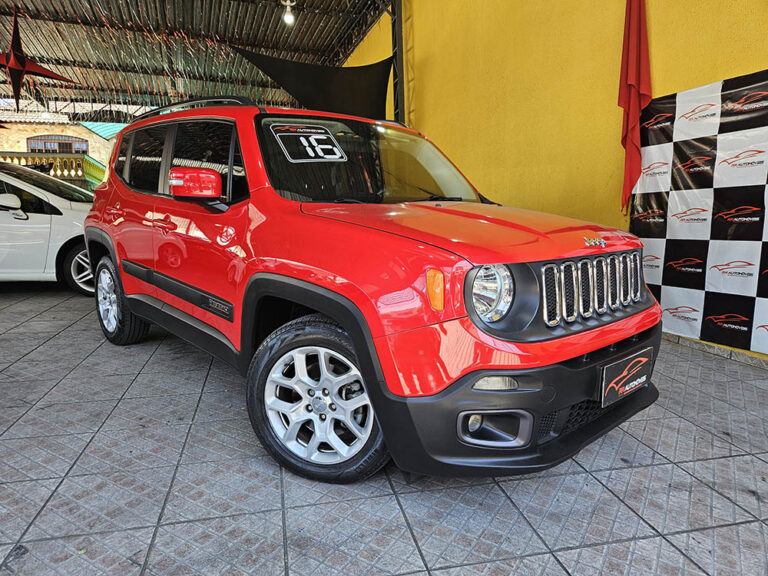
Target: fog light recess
pixel 496 428
pixel 497 383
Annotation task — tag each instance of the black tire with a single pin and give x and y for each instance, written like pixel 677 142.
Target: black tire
pixel 130 329
pixel 311 330
pixel 66 269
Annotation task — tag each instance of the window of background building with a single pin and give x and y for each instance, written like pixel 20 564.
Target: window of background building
pixel 57 144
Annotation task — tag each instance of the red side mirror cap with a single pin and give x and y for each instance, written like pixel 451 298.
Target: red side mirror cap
pixel 195 183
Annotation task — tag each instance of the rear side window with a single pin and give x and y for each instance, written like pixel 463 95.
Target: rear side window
pixel 122 155
pixel 146 157
pixel 207 144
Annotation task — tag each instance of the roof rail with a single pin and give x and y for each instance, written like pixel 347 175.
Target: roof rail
pixel 198 103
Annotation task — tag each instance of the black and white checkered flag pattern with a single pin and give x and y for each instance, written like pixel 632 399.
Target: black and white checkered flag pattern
pixel 699 207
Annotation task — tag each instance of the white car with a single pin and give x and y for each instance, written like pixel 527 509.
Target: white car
pixel 41 229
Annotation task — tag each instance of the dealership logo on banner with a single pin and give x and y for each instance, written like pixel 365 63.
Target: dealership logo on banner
pixel 746 159
pixel 732 267
pixel 685 264
pixel 658 122
pixel 681 310
pixel 735 268
pixel 700 113
pixel 693 163
pixel 649 215
pixel 738 213
pixel 690 214
pixel 653 259
pixel 752 101
pixel 656 169
pixel 694 215
pixel 653 215
pixel 684 313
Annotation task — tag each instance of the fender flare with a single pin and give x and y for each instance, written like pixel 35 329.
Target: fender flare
pixel 98 236
pixel 325 301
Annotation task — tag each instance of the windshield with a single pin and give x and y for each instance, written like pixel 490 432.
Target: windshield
pixel 47 183
pixel 317 159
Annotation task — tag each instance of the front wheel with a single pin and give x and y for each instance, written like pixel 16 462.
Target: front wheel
pixel 308 404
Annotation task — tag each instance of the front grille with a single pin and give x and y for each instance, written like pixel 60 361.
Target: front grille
pixel 583 288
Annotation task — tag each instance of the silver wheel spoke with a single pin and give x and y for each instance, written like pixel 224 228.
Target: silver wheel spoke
pixel 282 406
pixel 354 403
pixel 337 444
pixel 84 275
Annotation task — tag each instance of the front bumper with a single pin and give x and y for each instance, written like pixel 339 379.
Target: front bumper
pixel 562 401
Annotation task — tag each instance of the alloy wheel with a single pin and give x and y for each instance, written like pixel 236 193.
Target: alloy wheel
pixel 107 300
pixel 317 405
pixel 80 270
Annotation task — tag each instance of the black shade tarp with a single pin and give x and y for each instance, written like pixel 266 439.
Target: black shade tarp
pixel 355 90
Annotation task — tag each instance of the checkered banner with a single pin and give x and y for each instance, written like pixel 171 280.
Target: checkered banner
pixel 699 207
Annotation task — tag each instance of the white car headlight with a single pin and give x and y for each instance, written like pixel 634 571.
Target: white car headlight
pixel 493 291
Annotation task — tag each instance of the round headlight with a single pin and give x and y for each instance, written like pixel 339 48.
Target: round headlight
pixel 493 290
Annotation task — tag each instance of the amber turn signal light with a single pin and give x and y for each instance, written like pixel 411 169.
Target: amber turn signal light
pixel 436 289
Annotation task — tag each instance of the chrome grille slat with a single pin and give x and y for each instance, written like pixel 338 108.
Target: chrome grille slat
pixel 626 279
pixel 590 286
pixel 586 288
pixel 614 282
pixel 636 275
pixel 550 286
pixel 570 291
pixel 601 285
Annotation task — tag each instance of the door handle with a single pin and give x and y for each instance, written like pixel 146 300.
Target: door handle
pixel 166 225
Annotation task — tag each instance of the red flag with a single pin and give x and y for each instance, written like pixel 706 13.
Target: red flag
pixel 634 92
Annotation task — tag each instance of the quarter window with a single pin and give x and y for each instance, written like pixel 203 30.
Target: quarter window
pixel 146 156
pixel 210 145
pixel 122 155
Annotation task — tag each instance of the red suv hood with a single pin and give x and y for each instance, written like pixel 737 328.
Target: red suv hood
pixel 482 233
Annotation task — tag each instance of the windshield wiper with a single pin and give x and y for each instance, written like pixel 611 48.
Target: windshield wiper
pixel 435 197
pixel 347 201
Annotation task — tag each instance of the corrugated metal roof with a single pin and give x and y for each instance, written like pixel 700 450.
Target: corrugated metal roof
pixel 104 129
pixel 152 52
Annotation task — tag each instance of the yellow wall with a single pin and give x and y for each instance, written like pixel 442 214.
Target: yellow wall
pixel 523 95
pixel 376 46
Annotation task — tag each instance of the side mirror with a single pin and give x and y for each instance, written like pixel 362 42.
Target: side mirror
pixel 10 202
pixel 195 183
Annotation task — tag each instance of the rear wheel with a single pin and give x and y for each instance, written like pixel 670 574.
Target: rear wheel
pixel 76 270
pixel 119 324
pixel 308 403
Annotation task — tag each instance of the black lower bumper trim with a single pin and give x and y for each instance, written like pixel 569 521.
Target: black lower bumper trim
pixel 564 400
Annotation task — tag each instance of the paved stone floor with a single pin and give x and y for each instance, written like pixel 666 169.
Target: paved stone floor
pixel 141 460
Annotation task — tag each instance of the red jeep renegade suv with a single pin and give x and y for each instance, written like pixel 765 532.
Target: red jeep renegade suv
pixel 379 305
